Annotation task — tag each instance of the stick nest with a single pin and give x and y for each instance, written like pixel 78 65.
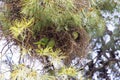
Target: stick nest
pixel 64 39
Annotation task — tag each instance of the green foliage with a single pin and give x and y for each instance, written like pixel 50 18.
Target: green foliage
pixel 20 26
pixel 42 42
pixel 47 77
pixel 61 13
pixel 75 35
pixel 21 72
pixel 68 71
pixel 45 42
pixel 93 22
pixel 48 51
pixel 108 5
pixel 5 22
pixel 51 43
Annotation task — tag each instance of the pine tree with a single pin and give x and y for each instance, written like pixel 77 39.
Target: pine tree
pixel 52 30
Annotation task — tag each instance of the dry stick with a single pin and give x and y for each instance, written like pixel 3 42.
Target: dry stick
pixel 104 64
pixel 11 52
pixel 20 58
pixel 10 63
pixel 118 63
pixel 4 47
pixel 1 35
pixel 6 51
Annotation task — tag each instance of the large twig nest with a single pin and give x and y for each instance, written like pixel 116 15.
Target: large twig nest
pixel 64 39
pixel 66 42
